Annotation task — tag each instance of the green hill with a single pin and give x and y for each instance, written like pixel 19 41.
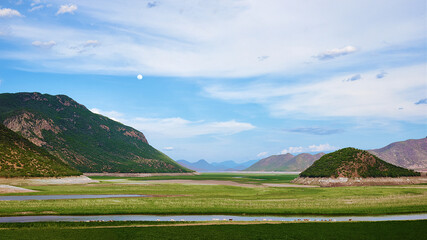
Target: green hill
pixel 87 141
pixel 351 163
pixel 21 158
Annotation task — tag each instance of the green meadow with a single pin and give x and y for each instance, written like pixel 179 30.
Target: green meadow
pixel 222 199
pixel 253 178
pixel 148 230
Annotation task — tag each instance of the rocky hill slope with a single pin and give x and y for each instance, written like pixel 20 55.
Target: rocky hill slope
pixel 285 162
pixel 354 163
pixel 21 158
pixel 410 154
pixel 87 141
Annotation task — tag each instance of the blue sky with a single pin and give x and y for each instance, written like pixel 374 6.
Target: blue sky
pixel 229 80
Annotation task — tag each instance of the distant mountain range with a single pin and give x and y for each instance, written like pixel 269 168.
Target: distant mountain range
pixel 285 162
pixel 22 158
pixel 86 141
pixel 410 154
pixel 203 166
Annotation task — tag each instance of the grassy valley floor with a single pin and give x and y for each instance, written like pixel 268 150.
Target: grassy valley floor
pixel 148 230
pixel 221 199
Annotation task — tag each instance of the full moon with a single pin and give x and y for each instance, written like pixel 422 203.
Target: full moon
pixel 139 76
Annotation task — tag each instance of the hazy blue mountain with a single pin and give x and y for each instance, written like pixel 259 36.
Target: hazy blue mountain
pixel 203 166
pixel 285 162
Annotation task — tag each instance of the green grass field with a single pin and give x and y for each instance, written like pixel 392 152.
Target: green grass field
pixel 221 199
pixel 349 230
pixel 253 178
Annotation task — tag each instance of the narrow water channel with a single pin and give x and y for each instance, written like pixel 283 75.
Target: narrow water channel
pixel 208 218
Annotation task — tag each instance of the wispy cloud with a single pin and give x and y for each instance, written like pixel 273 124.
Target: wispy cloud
pixel 292 150
pixel 262 154
pixel 373 98
pixel 312 148
pixel 151 41
pixel 381 74
pixel 35 8
pixel 322 148
pixel 111 114
pixel 168 148
pixel 316 130
pixel 354 78
pixel 152 4
pixel 68 8
pixel 336 52
pixel 263 58
pixel 45 45
pixel 422 101
pixel 7 12
pixel 91 43
pixel 35 2
pixel 178 127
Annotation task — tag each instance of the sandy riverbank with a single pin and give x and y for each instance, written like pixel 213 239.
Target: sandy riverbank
pixel 12 189
pixel 47 181
pixel 138 174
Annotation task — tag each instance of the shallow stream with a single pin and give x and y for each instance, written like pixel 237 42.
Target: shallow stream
pixel 54 218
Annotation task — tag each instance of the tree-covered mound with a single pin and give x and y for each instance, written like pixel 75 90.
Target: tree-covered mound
pixel 21 158
pixel 87 141
pixel 352 163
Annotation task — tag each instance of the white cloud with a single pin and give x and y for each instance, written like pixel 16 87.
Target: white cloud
pixel 193 32
pixel 36 8
pixel 178 127
pixel 374 97
pixel 262 154
pixel 321 148
pixel 168 148
pixel 312 148
pixel 45 45
pixel 354 78
pixel 68 8
pixel 7 12
pixel 292 150
pixel 381 74
pixel 35 2
pixel 5 30
pixel 336 52
pixel 182 128
pixel 111 114
pixel 91 43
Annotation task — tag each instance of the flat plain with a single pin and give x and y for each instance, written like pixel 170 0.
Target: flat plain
pixel 218 193
pixel 176 198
